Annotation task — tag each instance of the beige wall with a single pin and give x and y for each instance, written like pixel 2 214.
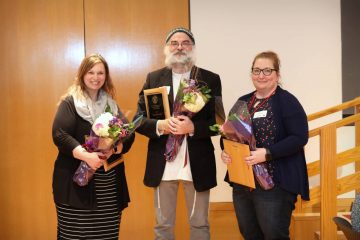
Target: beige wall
pixel 306 35
pixel 41 44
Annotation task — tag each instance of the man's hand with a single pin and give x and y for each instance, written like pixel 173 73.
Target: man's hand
pixel 181 125
pixel 163 126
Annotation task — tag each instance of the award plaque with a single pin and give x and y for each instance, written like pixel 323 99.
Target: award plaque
pixel 105 144
pixel 110 164
pixel 157 103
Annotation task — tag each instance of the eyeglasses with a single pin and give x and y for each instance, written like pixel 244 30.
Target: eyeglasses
pixel 266 71
pixel 184 44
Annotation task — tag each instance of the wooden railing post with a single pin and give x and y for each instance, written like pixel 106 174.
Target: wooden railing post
pixel 327 179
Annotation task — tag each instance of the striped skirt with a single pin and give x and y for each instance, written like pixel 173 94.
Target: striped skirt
pixel 102 223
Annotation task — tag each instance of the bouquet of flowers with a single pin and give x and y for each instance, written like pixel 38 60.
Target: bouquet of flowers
pixel 105 133
pixel 191 97
pixel 238 128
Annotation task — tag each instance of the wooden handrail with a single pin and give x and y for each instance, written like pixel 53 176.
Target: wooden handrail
pixel 340 123
pixel 331 110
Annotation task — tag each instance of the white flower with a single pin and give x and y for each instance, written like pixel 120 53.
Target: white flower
pixel 101 124
pixel 197 105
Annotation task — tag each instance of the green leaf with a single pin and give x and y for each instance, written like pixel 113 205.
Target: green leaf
pixel 215 128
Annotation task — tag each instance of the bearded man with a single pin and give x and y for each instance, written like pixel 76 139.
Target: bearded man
pixel 194 165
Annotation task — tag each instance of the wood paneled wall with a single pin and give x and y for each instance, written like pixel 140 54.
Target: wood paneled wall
pixel 42 44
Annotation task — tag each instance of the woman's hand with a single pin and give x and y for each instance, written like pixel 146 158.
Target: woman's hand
pixel 95 160
pixel 92 159
pixel 105 154
pixel 225 157
pixel 257 156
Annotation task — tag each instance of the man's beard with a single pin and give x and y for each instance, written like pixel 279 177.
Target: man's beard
pixel 184 58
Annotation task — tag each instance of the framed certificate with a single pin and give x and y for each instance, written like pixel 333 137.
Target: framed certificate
pixel 108 164
pixel 239 171
pixel 157 103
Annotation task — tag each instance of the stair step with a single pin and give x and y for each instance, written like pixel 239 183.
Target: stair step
pixel 340 235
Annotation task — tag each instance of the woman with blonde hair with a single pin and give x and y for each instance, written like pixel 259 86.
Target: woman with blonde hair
pixel 92 211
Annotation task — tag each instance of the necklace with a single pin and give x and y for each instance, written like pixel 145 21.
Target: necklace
pixel 257 105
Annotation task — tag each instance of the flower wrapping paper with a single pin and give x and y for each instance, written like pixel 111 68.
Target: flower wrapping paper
pixel 191 97
pixel 106 132
pixel 238 127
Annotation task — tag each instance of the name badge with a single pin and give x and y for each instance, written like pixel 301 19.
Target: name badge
pixel 260 114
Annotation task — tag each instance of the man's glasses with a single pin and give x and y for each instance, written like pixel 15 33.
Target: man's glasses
pixel 266 71
pixel 184 44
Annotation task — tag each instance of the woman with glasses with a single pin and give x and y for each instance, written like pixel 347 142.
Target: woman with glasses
pixel 281 131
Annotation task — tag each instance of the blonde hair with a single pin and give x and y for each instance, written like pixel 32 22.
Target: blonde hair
pixel 78 88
